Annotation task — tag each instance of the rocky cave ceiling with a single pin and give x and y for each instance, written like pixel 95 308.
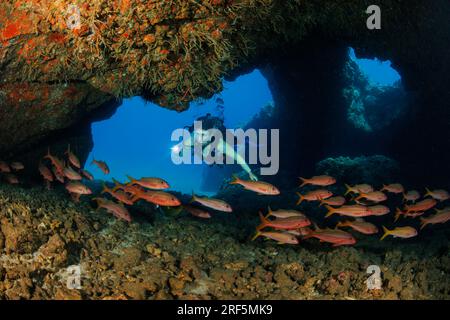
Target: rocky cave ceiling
pixel 62 63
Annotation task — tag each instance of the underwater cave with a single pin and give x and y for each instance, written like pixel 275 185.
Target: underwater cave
pixel 136 145
pixel 357 125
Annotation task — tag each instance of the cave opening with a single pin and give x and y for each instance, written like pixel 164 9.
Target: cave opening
pixel 136 140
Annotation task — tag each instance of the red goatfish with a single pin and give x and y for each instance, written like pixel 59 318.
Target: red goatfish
pixel 116 209
pixel 119 195
pixel 212 203
pixel 359 188
pixel 78 188
pixel 197 212
pixel 260 187
pixel 442 216
pixel 4 167
pixel 423 205
pixel 159 198
pixel 102 165
pixel 440 195
pixel 71 174
pixel 290 223
pixel 359 225
pixel 316 195
pixel 280 237
pixel 393 188
pixel 87 174
pixel 411 195
pixel 73 159
pixel 284 213
pixel 400 232
pixel 375 196
pixel 335 236
pixel 150 183
pixel 355 210
pixel 322 181
pixel 17 166
pixel 56 162
pixel 333 201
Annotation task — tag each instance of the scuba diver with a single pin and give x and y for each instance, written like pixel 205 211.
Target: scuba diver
pixel 203 137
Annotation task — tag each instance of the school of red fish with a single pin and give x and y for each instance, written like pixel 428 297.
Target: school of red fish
pixel 286 226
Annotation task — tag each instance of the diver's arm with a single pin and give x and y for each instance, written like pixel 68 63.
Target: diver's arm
pixel 229 151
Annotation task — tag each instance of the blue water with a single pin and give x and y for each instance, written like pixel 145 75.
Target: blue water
pixel 136 139
pixel 378 72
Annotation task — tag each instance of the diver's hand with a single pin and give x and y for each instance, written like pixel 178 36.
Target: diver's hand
pixel 252 176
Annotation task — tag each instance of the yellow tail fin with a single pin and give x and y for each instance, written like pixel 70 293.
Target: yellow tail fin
pixel 117 185
pixel 349 189
pixel 330 212
pixel 258 233
pixel 235 180
pixel 132 180
pixel 269 210
pixel 300 198
pixel 423 223
pixel 264 222
pixel 427 193
pixel 105 189
pixel 304 181
pixel 386 233
pixel 398 212
pixel 194 198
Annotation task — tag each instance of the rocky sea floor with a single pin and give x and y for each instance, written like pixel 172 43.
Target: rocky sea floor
pixel 161 256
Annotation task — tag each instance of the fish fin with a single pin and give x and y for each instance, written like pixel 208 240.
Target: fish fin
pixel 398 212
pixel 116 186
pixel 386 233
pixel 194 198
pixel 258 233
pixel 423 223
pixel 383 188
pixel 264 221
pixel 105 188
pixel 234 180
pixel 269 210
pixel 349 189
pixel 330 212
pixel 300 198
pixel 132 180
pixel 428 192
pixel 304 181
pixel 361 195
pixel 48 155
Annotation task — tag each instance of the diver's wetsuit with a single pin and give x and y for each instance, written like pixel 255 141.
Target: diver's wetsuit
pixel 210 122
